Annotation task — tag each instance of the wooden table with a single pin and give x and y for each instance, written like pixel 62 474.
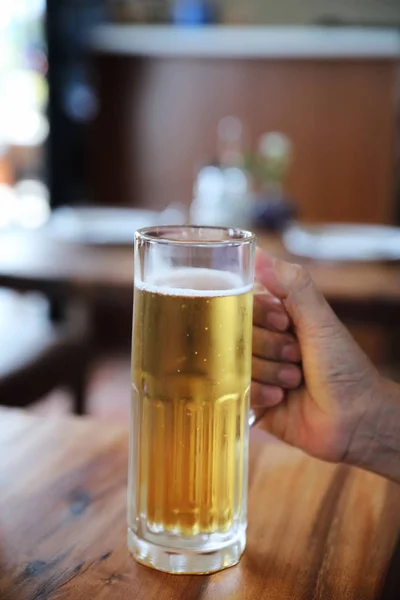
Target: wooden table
pixel 315 530
pixel 56 267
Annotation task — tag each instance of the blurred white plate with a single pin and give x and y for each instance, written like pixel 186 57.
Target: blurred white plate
pixel 106 225
pixel 344 242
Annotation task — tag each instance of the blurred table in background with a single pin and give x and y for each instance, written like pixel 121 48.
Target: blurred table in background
pixel 35 261
pixel 359 292
pixel 315 529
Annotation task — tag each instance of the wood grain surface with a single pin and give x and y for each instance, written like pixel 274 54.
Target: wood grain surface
pixel 316 531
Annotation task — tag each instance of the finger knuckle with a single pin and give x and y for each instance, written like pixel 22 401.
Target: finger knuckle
pixel 301 278
pixel 268 343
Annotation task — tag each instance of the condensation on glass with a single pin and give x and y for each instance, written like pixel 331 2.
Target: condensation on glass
pixel 191 374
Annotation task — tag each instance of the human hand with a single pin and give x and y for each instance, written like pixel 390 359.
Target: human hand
pixel 339 398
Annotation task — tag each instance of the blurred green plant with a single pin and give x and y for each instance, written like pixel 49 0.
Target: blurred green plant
pixel 270 164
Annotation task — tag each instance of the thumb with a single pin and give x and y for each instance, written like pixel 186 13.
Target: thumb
pixel 293 285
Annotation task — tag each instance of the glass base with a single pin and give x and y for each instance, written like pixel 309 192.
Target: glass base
pixel 192 562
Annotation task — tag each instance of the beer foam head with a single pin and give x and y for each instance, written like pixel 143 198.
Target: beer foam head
pixel 192 281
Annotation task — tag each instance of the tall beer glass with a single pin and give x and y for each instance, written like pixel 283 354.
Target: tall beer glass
pixel 191 374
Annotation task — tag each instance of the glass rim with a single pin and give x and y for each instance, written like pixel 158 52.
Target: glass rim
pixel 159 234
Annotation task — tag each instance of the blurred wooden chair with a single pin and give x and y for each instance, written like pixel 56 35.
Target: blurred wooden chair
pixel 38 354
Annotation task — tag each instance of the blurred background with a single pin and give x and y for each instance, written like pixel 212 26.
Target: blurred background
pixel 281 117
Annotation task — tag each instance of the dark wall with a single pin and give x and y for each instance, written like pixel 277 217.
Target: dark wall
pixel 72 101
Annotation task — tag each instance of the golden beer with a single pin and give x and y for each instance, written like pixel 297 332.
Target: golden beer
pixel 191 374
pixel 191 378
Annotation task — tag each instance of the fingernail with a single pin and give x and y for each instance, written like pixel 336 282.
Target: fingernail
pixel 291 353
pixel 289 377
pixel 272 396
pixel 277 320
